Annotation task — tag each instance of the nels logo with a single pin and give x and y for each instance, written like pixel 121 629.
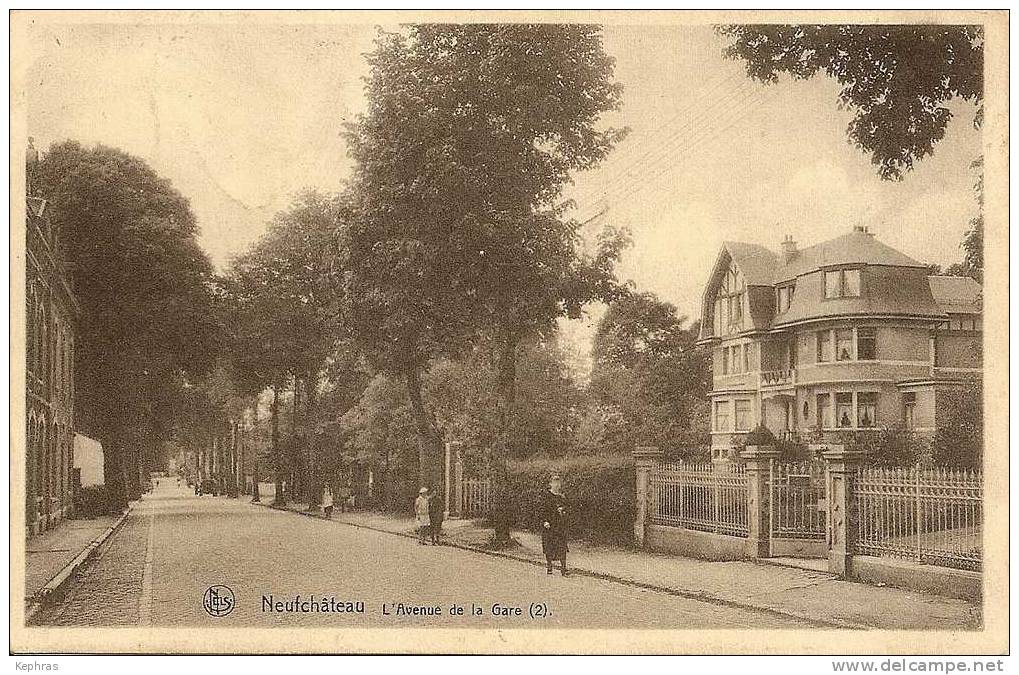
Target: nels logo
pixel 218 600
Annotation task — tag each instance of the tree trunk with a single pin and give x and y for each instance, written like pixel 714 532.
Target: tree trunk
pixel 429 454
pixel 113 470
pixel 506 386
pixel 274 411
pixel 312 479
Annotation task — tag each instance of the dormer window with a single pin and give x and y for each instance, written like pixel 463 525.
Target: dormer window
pixel 842 283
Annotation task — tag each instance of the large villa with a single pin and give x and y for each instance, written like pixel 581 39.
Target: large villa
pixel 846 335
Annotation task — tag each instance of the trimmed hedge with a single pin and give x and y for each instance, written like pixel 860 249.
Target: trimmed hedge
pixel 92 502
pixel 600 490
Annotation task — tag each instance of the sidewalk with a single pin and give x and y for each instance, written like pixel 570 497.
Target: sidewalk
pixel 53 557
pixel 815 596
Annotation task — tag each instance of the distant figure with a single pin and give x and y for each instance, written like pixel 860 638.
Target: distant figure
pixel 327 501
pixel 554 525
pixel 436 511
pixel 421 514
pixel 31 154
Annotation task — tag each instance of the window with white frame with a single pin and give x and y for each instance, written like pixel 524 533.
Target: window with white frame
pixel 844 344
pixel 842 283
pixel 844 409
pixel 742 414
pixel 866 409
pixel 721 416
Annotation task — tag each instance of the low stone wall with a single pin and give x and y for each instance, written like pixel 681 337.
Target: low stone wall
pixel 945 581
pixel 694 544
pixel 799 548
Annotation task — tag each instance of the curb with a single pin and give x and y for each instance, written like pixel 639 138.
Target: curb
pixel 579 571
pixel 56 586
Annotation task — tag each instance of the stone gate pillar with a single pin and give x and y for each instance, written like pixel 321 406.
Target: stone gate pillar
pixel 759 460
pixel 840 471
pixel 645 459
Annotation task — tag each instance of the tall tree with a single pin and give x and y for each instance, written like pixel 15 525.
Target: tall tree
pixel 649 382
pixel 898 79
pixel 471 134
pixel 286 306
pixel 145 288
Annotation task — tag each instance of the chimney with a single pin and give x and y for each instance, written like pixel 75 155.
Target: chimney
pixel 863 229
pixel 788 248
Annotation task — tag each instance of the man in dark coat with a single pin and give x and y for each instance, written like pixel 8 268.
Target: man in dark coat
pixel 554 525
pixel 436 511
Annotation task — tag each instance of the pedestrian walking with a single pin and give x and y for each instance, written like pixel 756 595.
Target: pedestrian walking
pixel 436 511
pixel 554 525
pixel 421 514
pixel 327 501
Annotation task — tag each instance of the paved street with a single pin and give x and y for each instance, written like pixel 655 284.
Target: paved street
pixel 174 546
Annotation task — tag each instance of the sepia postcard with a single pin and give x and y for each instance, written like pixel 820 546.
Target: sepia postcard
pixel 551 332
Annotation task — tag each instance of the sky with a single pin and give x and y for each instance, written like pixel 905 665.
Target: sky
pixel 242 117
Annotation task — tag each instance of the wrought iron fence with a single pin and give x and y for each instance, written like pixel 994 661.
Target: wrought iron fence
pixel 797 501
pixel 700 497
pixel 476 497
pixel 931 516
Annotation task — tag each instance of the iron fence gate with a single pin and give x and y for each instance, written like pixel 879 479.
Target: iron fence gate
pixel 797 501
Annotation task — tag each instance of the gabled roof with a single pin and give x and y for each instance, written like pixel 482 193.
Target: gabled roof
pixel 956 294
pixel 855 247
pixel 757 263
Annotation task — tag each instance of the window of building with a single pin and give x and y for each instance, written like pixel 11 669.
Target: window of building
pixel 742 414
pixel 909 412
pixel 721 415
pixel 844 344
pixel 823 346
pixel 842 283
pixel 866 344
pixel 851 283
pixel 725 360
pixel 785 298
pixel 866 409
pixel 844 409
pixel 824 411
pixel 746 358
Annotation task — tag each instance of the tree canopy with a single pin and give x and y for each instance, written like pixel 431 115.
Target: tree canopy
pixel 471 133
pixel 148 321
pixel 898 79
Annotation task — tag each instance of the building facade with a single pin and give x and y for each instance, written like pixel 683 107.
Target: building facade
pixel 846 335
pixel 51 314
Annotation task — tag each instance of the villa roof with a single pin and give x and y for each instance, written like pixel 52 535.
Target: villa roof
pixel 959 295
pixel 855 247
pixel 757 263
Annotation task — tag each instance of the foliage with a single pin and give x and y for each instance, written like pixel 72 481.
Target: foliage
pixel 285 299
pixel 972 264
pixel 91 502
pixel 959 440
pixel 379 433
pixel 148 321
pixel 649 382
pixel 760 436
pixel 470 134
pixel 599 488
pixel 897 78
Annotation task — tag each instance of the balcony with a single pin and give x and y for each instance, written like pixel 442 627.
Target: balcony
pixel 778 378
